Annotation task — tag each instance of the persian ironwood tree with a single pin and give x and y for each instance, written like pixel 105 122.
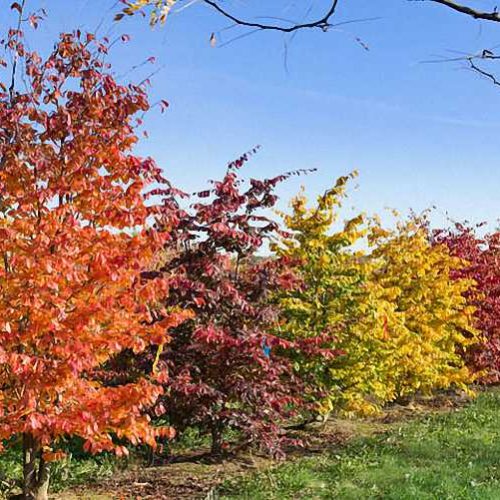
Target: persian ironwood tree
pixel 393 312
pixel 225 367
pixel 335 303
pixel 74 238
pixel 483 266
pixel 427 321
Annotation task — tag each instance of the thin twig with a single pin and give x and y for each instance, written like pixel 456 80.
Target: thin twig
pixel 482 72
pixel 16 55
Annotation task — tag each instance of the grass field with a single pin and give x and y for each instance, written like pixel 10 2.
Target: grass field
pixel 452 454
pixel 448 456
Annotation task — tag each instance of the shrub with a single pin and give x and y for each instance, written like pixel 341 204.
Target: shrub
pixel 333 305
pixel 225 366
pixel 427 321
pixel 393 313
pixel 483 257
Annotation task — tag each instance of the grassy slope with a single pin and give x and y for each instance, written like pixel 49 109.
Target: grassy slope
pixel 448 456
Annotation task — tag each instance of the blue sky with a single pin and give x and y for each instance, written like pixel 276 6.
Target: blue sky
pixel 419 134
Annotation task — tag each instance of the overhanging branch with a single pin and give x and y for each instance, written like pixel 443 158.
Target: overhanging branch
pixel 469 11
pixel 322 23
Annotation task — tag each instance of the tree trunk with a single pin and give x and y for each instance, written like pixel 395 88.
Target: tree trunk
pixel 36 471
pixel 216 437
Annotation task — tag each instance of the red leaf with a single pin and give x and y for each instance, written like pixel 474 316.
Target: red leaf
pixel 17 7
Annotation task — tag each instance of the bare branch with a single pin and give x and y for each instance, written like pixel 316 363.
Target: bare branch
pixel 482 72
pixel 472 61
pixel 323 23
pixel 469 11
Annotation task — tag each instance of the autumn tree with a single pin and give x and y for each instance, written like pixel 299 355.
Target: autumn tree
pixel 428 323
pixel 482 254
pixel 331 304
pixel 337 303
pixel 384 300
pixel 74 237
pixel 226 370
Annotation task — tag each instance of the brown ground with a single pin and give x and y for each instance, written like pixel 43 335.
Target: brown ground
pixel 195 475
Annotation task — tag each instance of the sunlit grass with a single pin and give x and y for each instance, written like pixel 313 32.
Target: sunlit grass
pixel 448 456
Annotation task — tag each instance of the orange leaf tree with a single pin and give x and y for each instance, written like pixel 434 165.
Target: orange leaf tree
pixel 73 239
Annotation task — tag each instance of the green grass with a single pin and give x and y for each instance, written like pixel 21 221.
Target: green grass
pixel 448 456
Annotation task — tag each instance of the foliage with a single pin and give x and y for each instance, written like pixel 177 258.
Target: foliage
pixel 395 316
pixel 331 304
pixel 452 455
pixel 225 368
pixel 159 10
pixel 105 317
pixel 482 255
pixel 74 237
pixel 426 320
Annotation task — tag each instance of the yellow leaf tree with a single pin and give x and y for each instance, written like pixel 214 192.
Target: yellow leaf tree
pixel 332 301
pixel 384 299
pixel 427 321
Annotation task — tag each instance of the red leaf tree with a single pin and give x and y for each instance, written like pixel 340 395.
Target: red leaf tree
pixel 483 256
pixel 74 238
pixel 226 368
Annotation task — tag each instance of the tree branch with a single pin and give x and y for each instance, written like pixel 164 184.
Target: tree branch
pixel 20 9
pixel 477 69
pixel 473 64
pixel 469 11
pixel 322 23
